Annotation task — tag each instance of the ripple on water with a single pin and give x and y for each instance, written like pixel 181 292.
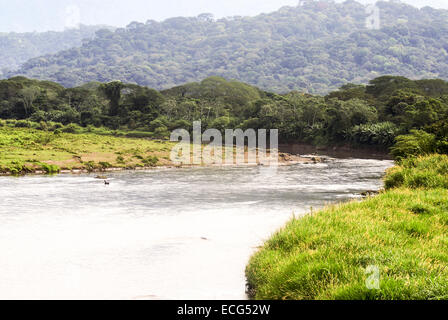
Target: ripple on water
pixel 178 234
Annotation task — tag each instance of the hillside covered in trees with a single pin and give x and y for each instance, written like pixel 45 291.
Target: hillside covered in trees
pixel 388 110
pixel 314 48
pixel 17 48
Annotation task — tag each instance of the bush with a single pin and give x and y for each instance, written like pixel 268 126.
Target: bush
pixel 422 172
pixel 120 160
pixel 139 134
pixel 91 165
pixel 56 125
pixel 44 138
pixel 417 143
pixel 22 124
pixel 49 168
pixel 72 128
pixel 105 165
pixel 382 134
pixel 151 161
pixel 161 133
pixel 43 126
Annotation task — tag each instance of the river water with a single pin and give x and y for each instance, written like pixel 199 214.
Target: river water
pixel 160 234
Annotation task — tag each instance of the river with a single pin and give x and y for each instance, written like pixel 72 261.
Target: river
pixel 160 234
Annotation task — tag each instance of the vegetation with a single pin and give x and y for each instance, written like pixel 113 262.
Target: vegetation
pixel 313 48
pixel 402 232
pixel 17 48
pixel 24 149
pixel 372 115
pixel 428 172
pixel 97 122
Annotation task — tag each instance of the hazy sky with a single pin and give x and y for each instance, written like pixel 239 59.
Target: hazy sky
pixel 42 15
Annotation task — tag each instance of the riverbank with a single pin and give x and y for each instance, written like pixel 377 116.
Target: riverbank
pixel 337 151
pixel 25 150
pixel 392 246
pixel 30 151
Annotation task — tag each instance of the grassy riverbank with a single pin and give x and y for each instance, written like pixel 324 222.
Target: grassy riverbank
pixel 403 232
pixel 31 150
pixel 25 150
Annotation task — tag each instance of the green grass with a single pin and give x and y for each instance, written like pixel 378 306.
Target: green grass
pixel 420 172
pixel 24 150
pixel 402 231
pixel 27 147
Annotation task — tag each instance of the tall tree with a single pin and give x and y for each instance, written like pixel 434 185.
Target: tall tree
pixel 112 91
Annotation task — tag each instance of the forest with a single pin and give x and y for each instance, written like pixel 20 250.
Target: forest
pixel 17 48
pixel 411 116
pixel 315 48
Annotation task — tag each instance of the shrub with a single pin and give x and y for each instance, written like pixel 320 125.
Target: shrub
pixel 90 165
pixel 105 165
pixel 44 138
pixel 139 134
pixel 49 168
pixel 72 128
pixel 151 161
pixel 43 126
pixel 22 124
pixel 417 143
pixel 382 134
pixel 421 172
pixel 56 125
pixel 161 133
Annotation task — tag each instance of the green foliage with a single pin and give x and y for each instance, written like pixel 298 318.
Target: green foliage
pixel 49 168
pixel 17 48
pixel 416 143
pixel 23 124
pixel 372 115
pixel 421 172
pixel 151 161
pixel 382 134
pixel 315 48
pixel 112 91
pixel 139 134
pixel 105 164
pixel 72 128
pixel 325 255
pixel 24 150
pixel 161 133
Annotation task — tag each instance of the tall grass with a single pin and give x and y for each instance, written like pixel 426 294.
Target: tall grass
pixel 24 150
pixel 403 232
pixel 421 172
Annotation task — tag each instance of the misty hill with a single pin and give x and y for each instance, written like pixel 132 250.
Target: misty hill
pixel 316 47
pixel 17 48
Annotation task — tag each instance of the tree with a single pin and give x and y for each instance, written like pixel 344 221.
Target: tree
pixel 112 91
pixel 29 95
pixel 312 49
pixel 416 143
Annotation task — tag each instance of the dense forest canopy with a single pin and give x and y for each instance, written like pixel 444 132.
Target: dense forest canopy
pixel 313 48
pixel 413 113
pixel 17 48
